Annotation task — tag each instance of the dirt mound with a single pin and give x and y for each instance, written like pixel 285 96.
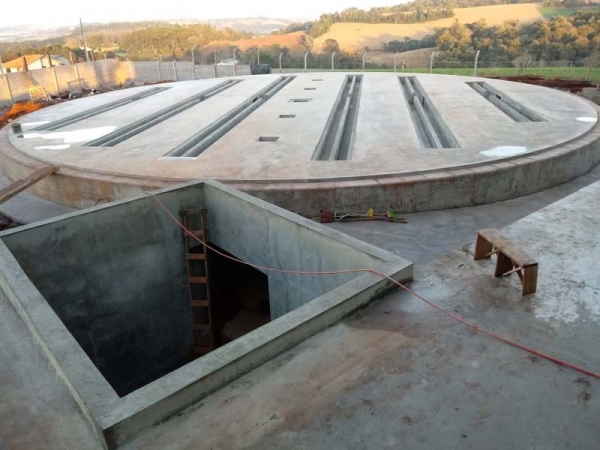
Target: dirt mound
pixel 556 83
pixel 18 110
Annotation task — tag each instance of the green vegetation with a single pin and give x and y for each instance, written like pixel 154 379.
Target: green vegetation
pixel 574 38
pixel 550 12
pixel 569 73
pixel 143 41
pixel 413 12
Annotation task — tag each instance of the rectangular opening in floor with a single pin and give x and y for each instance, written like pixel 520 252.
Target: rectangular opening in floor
pixel 113 308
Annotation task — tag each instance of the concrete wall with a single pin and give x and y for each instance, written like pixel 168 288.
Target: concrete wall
pixel 107 73
pixel 117 280
pixel 124 260
pixel 243 229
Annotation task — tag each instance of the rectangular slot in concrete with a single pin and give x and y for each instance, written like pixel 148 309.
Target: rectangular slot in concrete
pixel 317 79
pixel 336 141
pixel 310 89
pixel 431 128
pixel 300 100
pixel 115 304
pixel 99 110
pixel 122 134
pixel 287 116
pixel 504 103
pixel 268 138
pixel 199 142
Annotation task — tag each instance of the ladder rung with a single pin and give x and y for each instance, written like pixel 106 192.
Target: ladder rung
pixel 202 349
pixel 197 280
pixel 201 326
pixel 197 233
pixel 195 256
pixel 199 303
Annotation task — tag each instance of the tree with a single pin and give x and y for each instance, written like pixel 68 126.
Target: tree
pixel 330 46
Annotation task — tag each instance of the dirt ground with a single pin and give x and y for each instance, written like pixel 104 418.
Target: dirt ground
pixel 557 83
pixel 7 115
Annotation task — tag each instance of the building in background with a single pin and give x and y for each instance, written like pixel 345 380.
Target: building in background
pixel 32 62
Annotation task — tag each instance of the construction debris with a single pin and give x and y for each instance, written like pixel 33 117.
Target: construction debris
pixel 326 216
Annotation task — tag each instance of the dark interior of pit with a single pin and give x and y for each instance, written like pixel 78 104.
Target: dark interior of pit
pixel 129 306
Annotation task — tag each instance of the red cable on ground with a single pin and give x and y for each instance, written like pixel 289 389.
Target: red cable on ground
pixel 560 362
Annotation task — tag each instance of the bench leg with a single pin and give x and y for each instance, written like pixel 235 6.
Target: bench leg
pixel 503 264
pixel 530 279
pixel 482 248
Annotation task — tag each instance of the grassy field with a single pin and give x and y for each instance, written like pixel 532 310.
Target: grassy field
pixel 549 12
pixel 353 37
pixel 574 73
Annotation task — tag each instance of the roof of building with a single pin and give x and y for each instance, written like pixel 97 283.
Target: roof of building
pixel 17 63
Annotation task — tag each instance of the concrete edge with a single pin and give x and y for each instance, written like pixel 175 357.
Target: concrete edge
pixel 75 187
pixel 40 340
pixel 163 398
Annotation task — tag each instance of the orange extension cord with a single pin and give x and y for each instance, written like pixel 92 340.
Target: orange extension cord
pixel 383 275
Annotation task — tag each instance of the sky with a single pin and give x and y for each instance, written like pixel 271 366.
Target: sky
pixel 54 13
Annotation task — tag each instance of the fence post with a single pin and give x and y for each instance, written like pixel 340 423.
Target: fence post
pixel 216 74
pixel 402 64
pixel 332 58
pixel 364 57
pixel 476 60
pixel 1 66
pixel 175 70
pixel 258 56
pixel 234 61
pixel 280 66
pixel 78 77
pixel 305 58
pixel 56 81
pixel 431 62
pixel 395 57
pixel 159 74
pixel 97 75
pixel 193 63
pixel 10 94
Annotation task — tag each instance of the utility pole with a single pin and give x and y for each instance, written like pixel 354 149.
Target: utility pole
pixel 1 66
pixel 258 56
pixel 87 58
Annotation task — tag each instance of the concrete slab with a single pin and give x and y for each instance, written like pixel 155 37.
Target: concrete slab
pixel 385 143
pixel 399 374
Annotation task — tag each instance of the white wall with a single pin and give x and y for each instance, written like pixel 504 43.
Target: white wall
pixel 108 73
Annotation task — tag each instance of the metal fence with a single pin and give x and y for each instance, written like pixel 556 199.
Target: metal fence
pixel 113 73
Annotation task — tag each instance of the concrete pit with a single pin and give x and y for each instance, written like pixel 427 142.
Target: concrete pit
pixel 113 304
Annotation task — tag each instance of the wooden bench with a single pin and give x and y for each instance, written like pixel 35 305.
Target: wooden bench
pixel 511 259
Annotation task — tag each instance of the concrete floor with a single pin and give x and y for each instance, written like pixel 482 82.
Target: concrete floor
pixel 402 375
pixel 430 234
pixel 386 140
pixel 397 374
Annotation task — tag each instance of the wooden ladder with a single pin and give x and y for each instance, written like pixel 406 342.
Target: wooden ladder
pixel 204 337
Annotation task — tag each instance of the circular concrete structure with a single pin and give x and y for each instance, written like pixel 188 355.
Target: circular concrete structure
pixel 310 141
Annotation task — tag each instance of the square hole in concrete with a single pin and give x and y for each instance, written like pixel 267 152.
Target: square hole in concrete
pixel 287 116
pixel 113 309
pixel 268 139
